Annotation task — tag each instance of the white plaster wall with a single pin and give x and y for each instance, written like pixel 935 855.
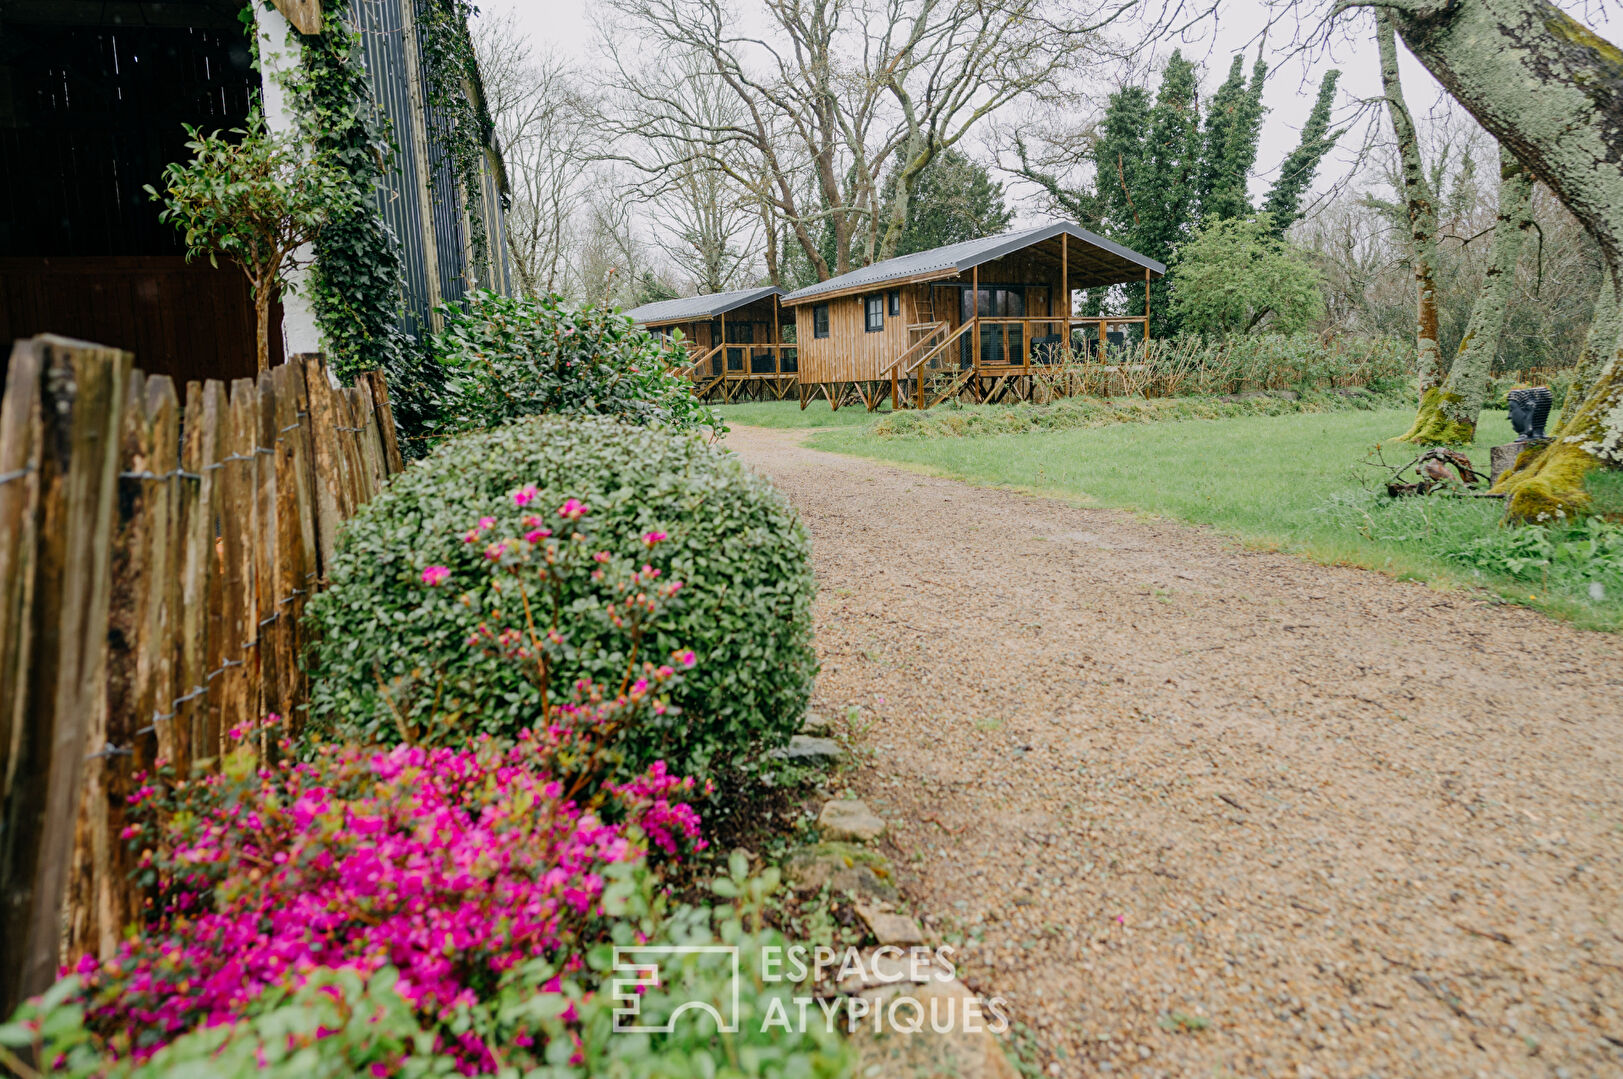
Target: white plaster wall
pixel 299 330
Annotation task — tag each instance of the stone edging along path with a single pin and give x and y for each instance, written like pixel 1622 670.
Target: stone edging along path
pixel 1195 810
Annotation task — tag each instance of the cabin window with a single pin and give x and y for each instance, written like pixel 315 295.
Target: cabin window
pixel 873 319
pixel 820 320
pixel 895 303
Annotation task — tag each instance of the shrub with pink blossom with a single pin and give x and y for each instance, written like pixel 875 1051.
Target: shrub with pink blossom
pixel 450 866
pixel 422 567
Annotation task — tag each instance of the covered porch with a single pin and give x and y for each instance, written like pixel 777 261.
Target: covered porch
pixel 734 342
pixel 987 320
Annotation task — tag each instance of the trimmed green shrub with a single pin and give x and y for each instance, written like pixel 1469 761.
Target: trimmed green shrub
pixel 388 643
pixel 505 357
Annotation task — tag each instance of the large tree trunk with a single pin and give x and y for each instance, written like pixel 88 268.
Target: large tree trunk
pixel 1422 207
pixel 1551 90
pixel 1605 326
pixel 1449 413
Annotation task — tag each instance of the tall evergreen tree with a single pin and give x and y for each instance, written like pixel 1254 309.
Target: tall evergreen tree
pixel 1229 142
pixel 1284 202
pixel 956 199
pixel 1165 192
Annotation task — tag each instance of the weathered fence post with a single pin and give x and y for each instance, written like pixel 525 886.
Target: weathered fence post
pixel 71 400
pixel 153 574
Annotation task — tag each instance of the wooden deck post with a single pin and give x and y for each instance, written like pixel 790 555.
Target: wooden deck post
pixel 1065 289
pixel 975 317
pixel 1146 313
pixel 777 340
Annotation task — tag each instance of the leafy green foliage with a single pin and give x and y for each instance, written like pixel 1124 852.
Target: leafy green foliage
pixel 342 1023
pixel 956 200
pixel 745 608
pixel 1587 553
pixel 1233 126
pixel 1284 201
pixel 1165 193
pixel 503 357
pixel 1158 171
pixel 355 287
pixel 1237 276
pixel 255 197
pixel 459 119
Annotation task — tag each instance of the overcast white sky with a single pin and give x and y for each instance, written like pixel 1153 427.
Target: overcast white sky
pixel 1292 81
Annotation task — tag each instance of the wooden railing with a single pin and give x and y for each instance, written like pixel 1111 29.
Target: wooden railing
pixel 156 556
pixel 930 330
pixel 1088 336
pixel 1022 346
pixel 692 368
pixel 916 373
pixel 744 361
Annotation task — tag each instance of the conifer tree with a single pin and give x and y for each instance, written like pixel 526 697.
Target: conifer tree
pixel 1230 150
pixel 1284 202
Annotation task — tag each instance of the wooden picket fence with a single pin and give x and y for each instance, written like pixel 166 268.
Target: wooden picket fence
pixel 156 557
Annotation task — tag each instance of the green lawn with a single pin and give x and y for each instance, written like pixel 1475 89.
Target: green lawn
pixel 788 414
pixel 1291 482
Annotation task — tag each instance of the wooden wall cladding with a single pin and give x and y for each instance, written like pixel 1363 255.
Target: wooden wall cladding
pixel 190 321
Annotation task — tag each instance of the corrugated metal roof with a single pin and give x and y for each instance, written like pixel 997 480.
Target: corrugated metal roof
pixel 963 256
pixel 689 308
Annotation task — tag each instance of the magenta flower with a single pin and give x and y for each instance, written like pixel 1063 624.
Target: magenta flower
pixel 486 523
pixel 496 550
pixel 525 495
pixel 651 538
pixel 436 575
pixel 537 535
pixel 453 866
pixel 687 658
pixel 574 509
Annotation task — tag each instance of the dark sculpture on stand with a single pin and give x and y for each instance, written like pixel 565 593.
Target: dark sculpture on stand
pixel 1529 412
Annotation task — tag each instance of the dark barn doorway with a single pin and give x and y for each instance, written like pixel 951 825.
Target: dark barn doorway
pixel 93 96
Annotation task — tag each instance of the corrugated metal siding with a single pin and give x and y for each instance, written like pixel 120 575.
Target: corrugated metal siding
pixel 381 24
pixel 418 127
pixel 445 204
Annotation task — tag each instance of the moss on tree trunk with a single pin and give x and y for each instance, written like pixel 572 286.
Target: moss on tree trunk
pixel 1422 209
pixel 1549 483
pixel 1449 414
pixel 1551 90
pixel 1605 327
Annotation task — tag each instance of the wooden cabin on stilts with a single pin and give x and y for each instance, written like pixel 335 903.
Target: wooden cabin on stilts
pixel 987 320
pixel 734 339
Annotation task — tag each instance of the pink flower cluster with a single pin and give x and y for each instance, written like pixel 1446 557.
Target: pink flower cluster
pixel 452 866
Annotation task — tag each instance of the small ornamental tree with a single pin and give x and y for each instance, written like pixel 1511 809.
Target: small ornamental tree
pixel 257 197
pixel 1236 276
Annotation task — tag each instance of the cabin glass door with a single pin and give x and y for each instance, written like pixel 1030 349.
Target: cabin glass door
pixel 741 333
pixel 1000 343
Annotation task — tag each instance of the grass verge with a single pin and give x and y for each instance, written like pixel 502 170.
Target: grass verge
pixel 1291 482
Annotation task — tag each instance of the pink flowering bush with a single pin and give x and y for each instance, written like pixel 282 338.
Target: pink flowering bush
pixel 450 866
pixel 458 544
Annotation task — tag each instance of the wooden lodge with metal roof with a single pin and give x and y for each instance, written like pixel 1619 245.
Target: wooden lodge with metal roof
pixel 735 340
pixel 983 318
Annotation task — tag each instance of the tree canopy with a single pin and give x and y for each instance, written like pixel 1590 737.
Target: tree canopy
pixel 1237 276
pixel 956 200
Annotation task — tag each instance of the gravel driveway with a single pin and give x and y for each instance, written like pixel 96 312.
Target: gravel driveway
pixel 1212 811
